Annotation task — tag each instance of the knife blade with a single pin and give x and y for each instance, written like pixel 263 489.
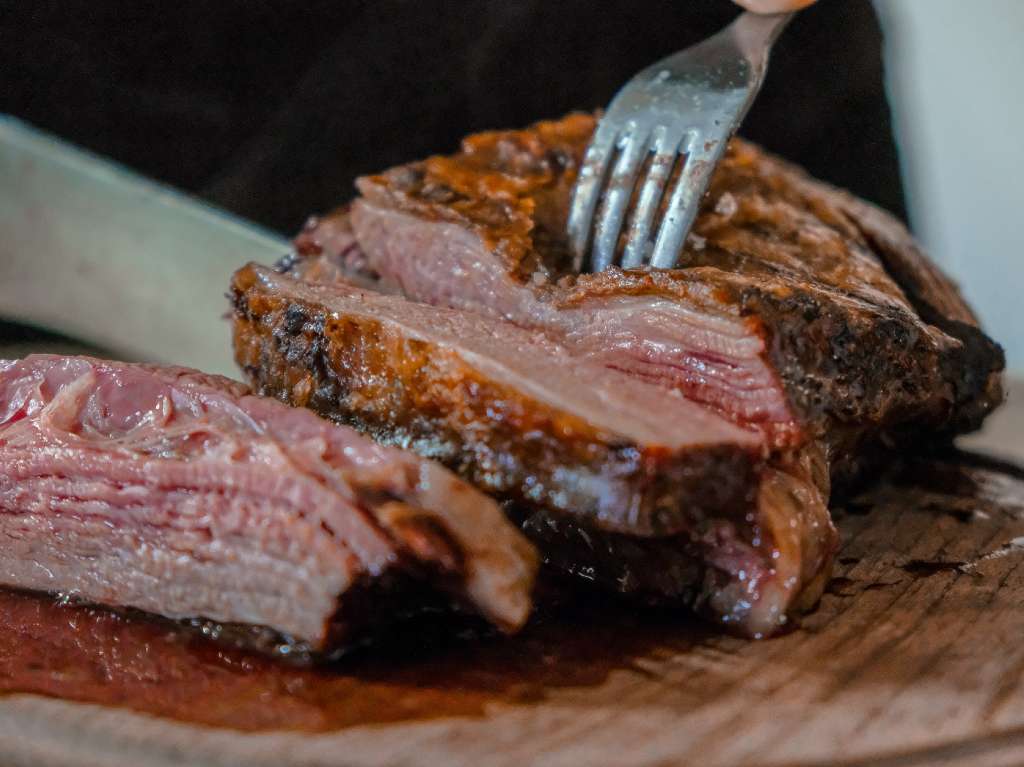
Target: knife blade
pixel 96 252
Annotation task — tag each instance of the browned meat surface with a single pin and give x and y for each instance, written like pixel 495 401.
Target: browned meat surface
pixel 598 463
pixel 799 313
pixel 522 417
pixel 789 310
pixel 181 494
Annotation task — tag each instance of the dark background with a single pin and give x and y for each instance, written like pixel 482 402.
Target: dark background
pixel 272 108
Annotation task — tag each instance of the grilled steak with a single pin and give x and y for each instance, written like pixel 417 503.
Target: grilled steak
pixel 523 417
pixel 787 312
pixel 805 317
pixel 182 494
pixel 596 463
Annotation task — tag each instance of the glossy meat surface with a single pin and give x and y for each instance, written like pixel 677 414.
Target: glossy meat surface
pixel 518 411
pixel 617 479
pixel 796 307
pixel 799 313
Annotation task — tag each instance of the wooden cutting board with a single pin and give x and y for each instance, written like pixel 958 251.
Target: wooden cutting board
pixel 914 657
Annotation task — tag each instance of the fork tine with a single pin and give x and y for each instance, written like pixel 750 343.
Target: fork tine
pixel 589 184
pixel 665 146
pixel 702 93
pixel 685 201
pixel 633 146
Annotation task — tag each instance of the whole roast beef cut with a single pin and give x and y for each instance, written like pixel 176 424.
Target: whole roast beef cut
pixel 672 435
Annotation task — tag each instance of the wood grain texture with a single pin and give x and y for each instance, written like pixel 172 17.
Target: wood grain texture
pixel 913 658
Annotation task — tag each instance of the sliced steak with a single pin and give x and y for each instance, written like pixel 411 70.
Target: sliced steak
pixel 788 311
pixel 181 494
pixel 583 452
pixel 797 312
pixel 525 419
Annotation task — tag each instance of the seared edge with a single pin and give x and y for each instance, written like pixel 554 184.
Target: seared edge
pixel 412 392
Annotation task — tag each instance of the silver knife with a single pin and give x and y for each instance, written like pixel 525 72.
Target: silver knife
pixel 101 254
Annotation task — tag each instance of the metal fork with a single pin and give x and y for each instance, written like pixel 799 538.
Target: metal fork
pixel 682 109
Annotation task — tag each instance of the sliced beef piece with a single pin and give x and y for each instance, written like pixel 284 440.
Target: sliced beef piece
pixel 584 453
pixel 525 418
pixel 795 308
pixel 182 494
pixel 693 341
pixel 797 312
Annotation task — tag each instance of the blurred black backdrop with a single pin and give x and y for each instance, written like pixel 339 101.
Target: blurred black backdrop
pixel 271 108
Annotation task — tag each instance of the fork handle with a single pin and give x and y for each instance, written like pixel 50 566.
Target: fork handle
pixel 754 34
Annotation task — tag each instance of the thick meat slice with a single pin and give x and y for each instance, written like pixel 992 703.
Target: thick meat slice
pixel 797 311
pixel 597 463
pixel 788 311
pixel 181 494
pixel 524 418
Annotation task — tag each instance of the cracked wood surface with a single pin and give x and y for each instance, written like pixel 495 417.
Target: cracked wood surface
pixel 912 658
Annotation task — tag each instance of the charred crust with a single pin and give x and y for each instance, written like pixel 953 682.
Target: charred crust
pixel 404 392
pixel 864 334
pixel 295 318
pixel 854 379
